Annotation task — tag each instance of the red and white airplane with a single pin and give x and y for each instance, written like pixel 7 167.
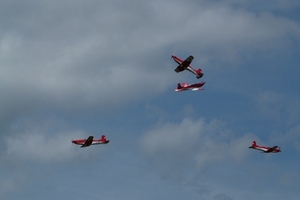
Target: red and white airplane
pixel 185 65
pixel 90 141
pixel 274 149
pixel 193 87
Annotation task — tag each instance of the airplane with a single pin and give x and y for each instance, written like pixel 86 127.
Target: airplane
pixel 185 65
pixel 90 141
pixel 193 87
pixel 274 149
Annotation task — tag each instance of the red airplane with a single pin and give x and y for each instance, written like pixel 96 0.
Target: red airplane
pixel 193 87
pixel 185 65
pixel 90 141
pixel 274 149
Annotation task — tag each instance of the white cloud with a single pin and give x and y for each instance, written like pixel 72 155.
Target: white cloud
pixel 63 56
pixel 38 146
pixel 194 141
pixel 97 63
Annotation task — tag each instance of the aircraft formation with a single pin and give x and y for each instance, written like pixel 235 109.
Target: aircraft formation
pixel 185 65
pixel 182 65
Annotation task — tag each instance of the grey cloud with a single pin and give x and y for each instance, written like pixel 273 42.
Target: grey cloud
pixel 222 196
pixel 193 143
pixel 38 147
pixel 77 58
pixel 70 56
pixel 39 140
pixel 6 186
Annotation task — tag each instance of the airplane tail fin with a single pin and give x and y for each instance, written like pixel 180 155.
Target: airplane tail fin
pixel 103 139
pixel 199 72
pixel 253 144
pixel 179 86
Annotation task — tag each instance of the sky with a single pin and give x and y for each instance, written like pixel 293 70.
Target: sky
pixel 71 69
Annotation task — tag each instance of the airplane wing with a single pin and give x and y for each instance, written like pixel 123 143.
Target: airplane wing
pixel 179 68
pixel 88 142
pixel 271 149
pixel 184 64
pixel 187 61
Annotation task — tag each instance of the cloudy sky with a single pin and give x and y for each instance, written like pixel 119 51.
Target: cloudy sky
pixel 71 69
